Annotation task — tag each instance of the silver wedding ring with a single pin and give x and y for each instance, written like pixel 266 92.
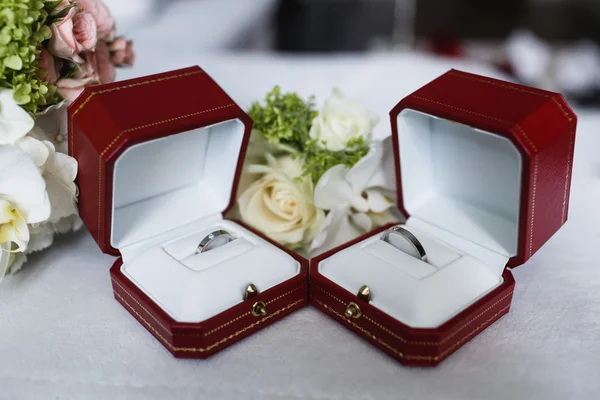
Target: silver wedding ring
pixel 214 240
pixel 405 241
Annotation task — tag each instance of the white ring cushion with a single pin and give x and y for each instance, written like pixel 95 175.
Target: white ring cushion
pixel 168 195
pixel 461 187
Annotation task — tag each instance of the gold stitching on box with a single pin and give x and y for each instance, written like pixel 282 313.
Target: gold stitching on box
pixel 248 313
pixel 535 174
pixel 397 352
pixel 395 335
pixel 565 113
pixel 478 316
pixel 121 88
pixel 526 137
pixel 504 85
pixel 212 346
pixel 330 295
pixel 571 145
pixel 226 324
pixel 400 338
pixel 100 179
pixel 205 334
pixel 177 118
pixel 285 294
pixel 570 150
pixel 140 305
pixel 470 335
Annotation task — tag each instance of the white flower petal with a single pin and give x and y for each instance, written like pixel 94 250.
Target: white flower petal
pixel 16 262
pixel 36 149
pixel 336 230
pixel 377 201
pixel 14 121
pixel 333 189
pixel 42 237
pixel 362 222
pixel 384 175
pixel 60 172
pixel 22 185
pixel 4 259
pixel 387 217
pixel 69 224
pixel 361 174
pixel 52 126
pixel 13 228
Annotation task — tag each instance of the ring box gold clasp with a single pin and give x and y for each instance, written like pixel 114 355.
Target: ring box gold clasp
pixel 259 309
pixel 251 291
pixel 353 311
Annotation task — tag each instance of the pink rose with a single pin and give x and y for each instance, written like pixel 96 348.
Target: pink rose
pixel 49 67
pixel 84 30
pixel 95 69
pixel 122 52
pixel 104 20
pixel 129 54
pixel 61 5
pixel 104 67
pixel 85 75
pixel 63 43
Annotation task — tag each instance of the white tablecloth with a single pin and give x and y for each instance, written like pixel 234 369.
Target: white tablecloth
pixel 63 336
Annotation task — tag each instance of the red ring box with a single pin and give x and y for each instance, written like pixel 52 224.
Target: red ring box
pixel 483 171
pixel 160 158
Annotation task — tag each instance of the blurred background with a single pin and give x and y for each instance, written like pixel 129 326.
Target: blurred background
pixel 552 44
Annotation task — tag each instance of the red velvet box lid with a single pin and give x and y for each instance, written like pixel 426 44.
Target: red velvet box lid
pixel 539 123
pixel 108 119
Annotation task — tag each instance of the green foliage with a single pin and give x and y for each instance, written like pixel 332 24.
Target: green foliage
pixel 23 29
pixel 285 121
pixel 318 160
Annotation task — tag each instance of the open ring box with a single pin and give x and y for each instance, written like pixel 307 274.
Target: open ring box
pixel 160 158
pixel 483 170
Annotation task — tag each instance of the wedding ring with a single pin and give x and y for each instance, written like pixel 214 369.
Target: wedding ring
pixel 405 241
pixel 214 240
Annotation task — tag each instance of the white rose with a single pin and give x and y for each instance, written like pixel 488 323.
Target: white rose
pixel 279 205
pixel 341 120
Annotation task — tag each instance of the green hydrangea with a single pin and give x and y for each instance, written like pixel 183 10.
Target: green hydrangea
pixel 23 30
pixel 319 160
pixel 285 121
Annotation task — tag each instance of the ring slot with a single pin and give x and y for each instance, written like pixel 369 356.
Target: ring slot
pixel 208 259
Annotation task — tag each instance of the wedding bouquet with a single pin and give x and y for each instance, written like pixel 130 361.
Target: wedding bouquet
pixel 49 52
pixel 315 179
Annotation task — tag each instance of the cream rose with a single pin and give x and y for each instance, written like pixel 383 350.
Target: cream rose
pixel 279 204
pixel 341 120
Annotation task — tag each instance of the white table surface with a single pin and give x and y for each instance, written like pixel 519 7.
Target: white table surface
pixel 63 336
